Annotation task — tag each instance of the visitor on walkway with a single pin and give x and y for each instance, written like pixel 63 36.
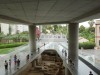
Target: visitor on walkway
pixel 9 63
pixel 65 54
pixel 38 49
pixel 15 59
pixel 6 65
pixel 18 64
pixel 70 61
pixel 27 57
pixel 62 51
pixel 44 44
pixel 90 73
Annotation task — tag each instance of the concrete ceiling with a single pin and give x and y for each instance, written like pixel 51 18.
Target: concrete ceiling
pixel 48 11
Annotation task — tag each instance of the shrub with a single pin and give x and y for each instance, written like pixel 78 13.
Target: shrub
pixel 11 45
pixel 87 45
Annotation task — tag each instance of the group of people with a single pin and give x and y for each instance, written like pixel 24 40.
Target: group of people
pixel 16 62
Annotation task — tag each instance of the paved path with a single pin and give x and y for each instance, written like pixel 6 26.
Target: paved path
pixel 92 56
pixel 82 68
pixel 22 55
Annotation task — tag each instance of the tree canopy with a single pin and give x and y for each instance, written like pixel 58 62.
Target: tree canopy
pixel 88 33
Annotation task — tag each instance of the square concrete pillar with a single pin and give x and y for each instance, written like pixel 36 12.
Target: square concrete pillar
pixel 32 38
pixel 73 29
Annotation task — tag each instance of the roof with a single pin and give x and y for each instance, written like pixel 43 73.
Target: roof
pixel 48 11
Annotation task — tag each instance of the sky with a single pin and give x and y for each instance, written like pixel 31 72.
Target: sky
pixel 85 24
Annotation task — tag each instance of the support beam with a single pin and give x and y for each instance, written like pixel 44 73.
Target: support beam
pixel 73 46
pixel 32 38
pixel 48 23
pixel 86 15
pixel 67 72
pixel 11 19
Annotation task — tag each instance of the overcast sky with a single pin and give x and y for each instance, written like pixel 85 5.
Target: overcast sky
pixel 85 24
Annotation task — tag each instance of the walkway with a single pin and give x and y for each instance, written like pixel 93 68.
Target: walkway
pixel 92 56
pixel 21 53
pixel 52 45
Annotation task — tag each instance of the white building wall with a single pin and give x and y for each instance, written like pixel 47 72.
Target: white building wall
pixel 5 28
pixel 97 33
pixel 14 28
pixel 22 28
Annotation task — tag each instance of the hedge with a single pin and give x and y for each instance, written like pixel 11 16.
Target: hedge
pixel 11 45
pixel 87 45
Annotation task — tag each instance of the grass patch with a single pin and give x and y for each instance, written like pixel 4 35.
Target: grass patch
pixel 6 50
pixel 11 45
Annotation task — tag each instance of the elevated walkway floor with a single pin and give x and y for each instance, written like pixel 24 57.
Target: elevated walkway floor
pixel 82 68
pixel 21 53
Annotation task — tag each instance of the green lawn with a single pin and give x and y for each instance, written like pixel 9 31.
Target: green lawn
pixel 6 50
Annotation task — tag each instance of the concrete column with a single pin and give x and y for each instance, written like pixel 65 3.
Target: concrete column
pixel 40 28
pixel 32 38
pixel 73 46
pixel 67 72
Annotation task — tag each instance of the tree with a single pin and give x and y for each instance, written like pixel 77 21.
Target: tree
pixel 91 23
pixel 47 28
pixel 0 28
pixel 9 29
pixel 87 33
pixel 91 28
pixel 81 29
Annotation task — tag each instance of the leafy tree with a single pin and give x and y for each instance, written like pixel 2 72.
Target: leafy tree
pixel 1 36
pixel 81 29
pixel 91 22
pixel 9 29
pixel 88 33
pixel 0 28
pixel 91 28
pixel 47 28
pixel 55 29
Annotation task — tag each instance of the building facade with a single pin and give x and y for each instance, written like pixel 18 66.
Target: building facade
pixel 12 28
pixel 97 33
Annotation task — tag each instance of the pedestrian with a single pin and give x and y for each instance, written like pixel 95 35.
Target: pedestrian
pixel 65 54
pixel 62 51
pixel 38 49
pixel 6 65
pixel 44 44
pixel 70 61
pixel 27 57
pixel 90 73
pixel 18 63
pixel 9 63
pixel 15 59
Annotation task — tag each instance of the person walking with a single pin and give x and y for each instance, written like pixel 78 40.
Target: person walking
pixel 6 65
pixel 18 63
pixel 62 51
pixel 90 73
pixel 27 57
pixel 9 63
pixel 65 54
pixel 44 44
pixel 38 49
pixel 15 59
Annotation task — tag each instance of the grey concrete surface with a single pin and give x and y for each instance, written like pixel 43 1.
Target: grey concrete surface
pixel 82 68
